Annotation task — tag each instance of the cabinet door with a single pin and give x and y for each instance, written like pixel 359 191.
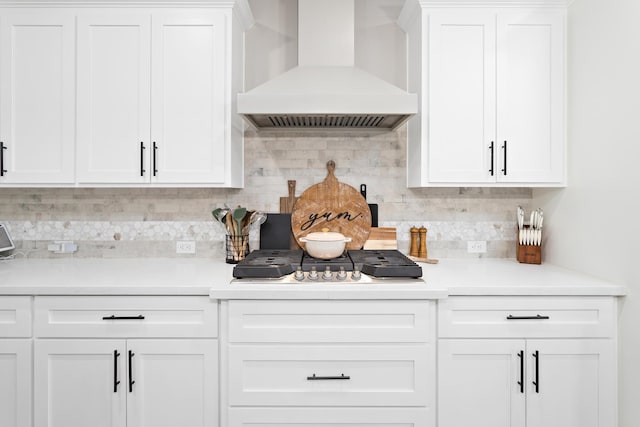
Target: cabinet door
pixel 114 83
pixel 576 383
pixel 479 383
pixel 75 383
pixel 461 97
pixel 188 105
pixel 37 54
pixel 15 386
pixel 530 108
pixel 176 383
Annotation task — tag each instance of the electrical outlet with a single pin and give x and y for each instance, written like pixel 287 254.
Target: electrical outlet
pixel 476 246
pixel 62 247
pixel 186 247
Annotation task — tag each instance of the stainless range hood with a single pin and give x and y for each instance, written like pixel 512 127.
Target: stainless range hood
pixel 326 90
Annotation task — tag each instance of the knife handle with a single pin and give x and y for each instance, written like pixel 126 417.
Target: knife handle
pixel 363 190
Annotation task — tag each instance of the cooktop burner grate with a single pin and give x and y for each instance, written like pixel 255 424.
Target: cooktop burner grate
pixel 385 263
pixel 268 263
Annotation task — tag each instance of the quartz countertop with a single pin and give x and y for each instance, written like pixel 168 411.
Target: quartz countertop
pixel 199 276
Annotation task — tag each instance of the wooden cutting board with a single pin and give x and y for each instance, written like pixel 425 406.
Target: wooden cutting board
pixel 334 205
pixel 286 203
pixel 382 238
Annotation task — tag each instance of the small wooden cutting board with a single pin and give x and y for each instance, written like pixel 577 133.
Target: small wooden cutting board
pixel 286 203
pixel 382 238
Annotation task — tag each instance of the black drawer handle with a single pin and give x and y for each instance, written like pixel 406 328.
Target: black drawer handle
pixel 116 381
pixel 142 148
pixel 521 382
pixel 2 169
pixel 155 152
pixel 536 383
pixel 504 148
pixel 341 377
pixel 536 317
pixel 131 381
pixel 114 317
pixel 491 147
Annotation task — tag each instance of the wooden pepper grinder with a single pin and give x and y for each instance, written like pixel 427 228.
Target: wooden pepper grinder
pixel 413 251
pixel 422 252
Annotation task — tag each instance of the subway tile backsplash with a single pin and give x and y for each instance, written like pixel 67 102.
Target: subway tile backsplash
pixel 126 222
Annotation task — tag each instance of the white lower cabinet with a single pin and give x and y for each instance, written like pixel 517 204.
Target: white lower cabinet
pixel 526 380
pixel 328 363
pixel 15 386
pixel 15 361
pixel 80 383
pixel 146 377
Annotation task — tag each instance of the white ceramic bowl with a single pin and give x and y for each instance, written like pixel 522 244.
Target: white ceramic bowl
pixel 325 244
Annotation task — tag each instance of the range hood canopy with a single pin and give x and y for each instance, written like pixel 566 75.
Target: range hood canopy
pixel 326 90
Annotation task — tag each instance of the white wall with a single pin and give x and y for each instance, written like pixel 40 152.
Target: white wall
pixel 590 225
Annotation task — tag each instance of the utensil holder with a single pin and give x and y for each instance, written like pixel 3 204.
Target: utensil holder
pixel 237 247
pixel 528 254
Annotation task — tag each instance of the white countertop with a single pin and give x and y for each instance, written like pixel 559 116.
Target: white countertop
pixel 198 276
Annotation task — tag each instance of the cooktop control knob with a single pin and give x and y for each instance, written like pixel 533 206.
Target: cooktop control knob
pixel 356 274
pixel 299 275
pixel 342 275
pixel 328 275
pixel 313 274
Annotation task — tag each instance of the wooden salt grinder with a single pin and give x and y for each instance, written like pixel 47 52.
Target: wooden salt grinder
pixel 422 252
pixel 414 242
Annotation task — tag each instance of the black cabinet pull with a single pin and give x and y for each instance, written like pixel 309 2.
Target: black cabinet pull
pixel 114 317
pixel 504 148
pixel 155 149
pixel 536 317
pixel 521 382
pixel 491 147
pixel 2 169
pixel 341 377
pixel 115 371
pixel 142 171
pixel 131 381
pixel 536 383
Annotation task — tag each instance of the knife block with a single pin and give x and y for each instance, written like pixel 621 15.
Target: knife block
pixel 528 254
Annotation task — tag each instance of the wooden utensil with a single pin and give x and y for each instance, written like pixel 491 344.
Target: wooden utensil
pixel 333 205
pixel 287 203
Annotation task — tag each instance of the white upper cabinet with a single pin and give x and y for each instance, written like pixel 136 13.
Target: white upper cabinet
pixel 530 96
pixel 37 78
pixel 188 98
pixel 492 107
pixel 114 93
pixel 154 99
pixel 141 94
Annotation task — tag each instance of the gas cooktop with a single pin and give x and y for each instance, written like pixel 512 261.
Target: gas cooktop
pixel 291 266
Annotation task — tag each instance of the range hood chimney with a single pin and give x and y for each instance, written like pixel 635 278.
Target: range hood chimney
pixel 326 90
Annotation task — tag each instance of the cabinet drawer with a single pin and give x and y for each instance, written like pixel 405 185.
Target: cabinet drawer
pixel 130 317
pixel 330 375
pixel 331 321
pixel 528 316
pixel 331 417
pixel 15 317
